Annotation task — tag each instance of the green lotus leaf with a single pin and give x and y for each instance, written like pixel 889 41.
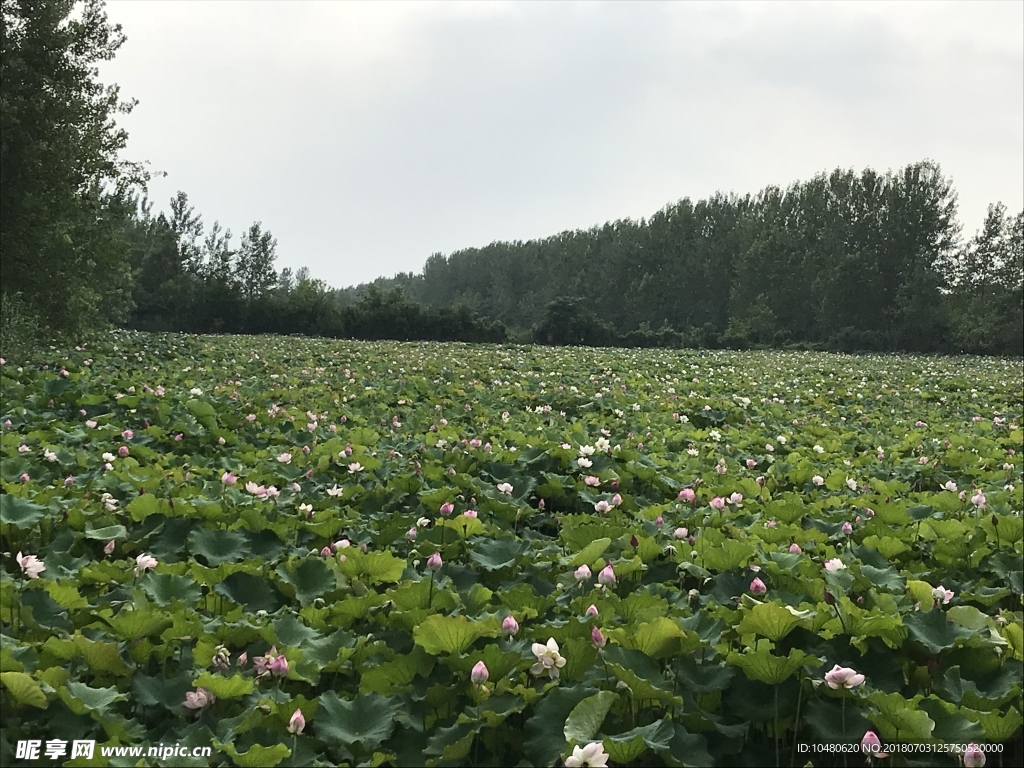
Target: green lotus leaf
pixel 19 512
pixel 233 687
pixel 934 631
pixel 81 698
pixel 452 634
pixel 24 689
pixel 164 588
pixel 373 567
pixel 497 553
pixel 773 620
pixel 584 721
pixel 310 576
pixel 544 737
pixel 366 721
pixel 134 624
pixel 761 664
pixel 898 719
pixel 626 747
pixel 216 547
pixel 257 756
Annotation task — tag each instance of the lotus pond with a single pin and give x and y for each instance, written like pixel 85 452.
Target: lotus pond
pixel 310 552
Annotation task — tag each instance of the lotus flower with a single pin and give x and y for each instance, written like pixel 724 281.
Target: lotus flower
pixel 872 746
pixel 447 508
pixel 297 723
pixel 974 756
pixel 597 639
pixel 549 661
pixel 843 677
pixel 757 587
pixel 835 564
pixel 583 573
pixel 794 549
pixel 717 503
pixel 606 576
pixel 200 698
pixel 479 674
pixel 31 565
pixel 510 626
pixel 434 561
pixel 687 495
pixel 590 756
pixel 942 595
pixel 592 610
pixel 144 563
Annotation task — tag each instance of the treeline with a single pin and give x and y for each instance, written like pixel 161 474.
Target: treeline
pixel 845 261
pixel 185 281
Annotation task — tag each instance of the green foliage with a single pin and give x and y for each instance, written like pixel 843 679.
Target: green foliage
pixel 318 597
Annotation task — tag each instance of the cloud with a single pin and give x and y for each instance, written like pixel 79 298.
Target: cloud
pixel 369 135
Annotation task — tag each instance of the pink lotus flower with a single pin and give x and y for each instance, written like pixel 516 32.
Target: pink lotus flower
pixel 687 495
pixel 90 424
pixel 597 638
pixel 978 500
pixel 737 499
pixel 278 666
pixel 434 561
pixel 872 746
pixel 847 528
pixel 229 479
pixel 284 458
pixel 24 477
pixel 471 514
pixel 410 535
pixel 843 677
pixel 30 565
pixel 123 451
pixel 447 508
pixel 510 626
pixel 616 500
pixel 606 576
pixel 69 481
pixel 602 507
pixel 757 587
pixel 144 563
pixel 200 698
pixel 680 533
pixel 592 481
pixel 974 756
pixel 717 503
pixel 771 523
pixel 942 595
pixel 794 549
pixel 592 610
pixel 127 434
pixel 108 548
pixel 297 723
pixel 479 674
pixel 583 573
pixel 760 480
pixel 751 463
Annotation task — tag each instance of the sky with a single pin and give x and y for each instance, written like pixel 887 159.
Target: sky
pixel 368 135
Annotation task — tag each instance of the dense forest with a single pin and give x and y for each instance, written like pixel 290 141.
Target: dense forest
pixel 844 261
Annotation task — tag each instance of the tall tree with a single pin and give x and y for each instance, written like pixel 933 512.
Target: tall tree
pixel 63 195
pixel 256 261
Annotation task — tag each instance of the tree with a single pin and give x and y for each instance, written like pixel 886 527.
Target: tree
pixel 256 262
pixel 63 196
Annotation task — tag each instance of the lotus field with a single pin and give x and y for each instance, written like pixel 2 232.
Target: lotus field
pixel 310 553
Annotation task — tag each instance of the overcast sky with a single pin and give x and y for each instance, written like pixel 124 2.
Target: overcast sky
pixel 367 136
